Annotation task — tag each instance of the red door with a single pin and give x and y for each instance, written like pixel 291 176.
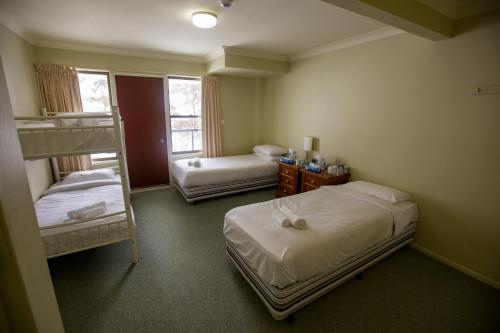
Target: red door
pixel 142 105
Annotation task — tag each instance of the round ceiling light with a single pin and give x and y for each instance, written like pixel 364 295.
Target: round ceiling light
pixel 204 20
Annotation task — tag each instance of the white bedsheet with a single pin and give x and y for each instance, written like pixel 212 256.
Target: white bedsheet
pixel 219 170
pixel 53 206
pixel 341 223
pixel 52 209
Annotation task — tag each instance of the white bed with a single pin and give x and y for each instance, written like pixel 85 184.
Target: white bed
pixel 345 228
pixel 52 207
pixel 223 175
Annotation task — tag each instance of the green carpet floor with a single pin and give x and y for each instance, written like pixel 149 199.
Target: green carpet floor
pixel 185 283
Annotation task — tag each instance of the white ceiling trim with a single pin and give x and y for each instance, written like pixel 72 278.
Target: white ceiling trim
pixel 254 54
pixel 244 52
pixel 348 42
pixel 117 51
pixel 15 26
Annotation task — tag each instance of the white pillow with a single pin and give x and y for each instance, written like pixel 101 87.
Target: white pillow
pixel 270 150
pixel 382 192
pixel 89 175
pixel 267 157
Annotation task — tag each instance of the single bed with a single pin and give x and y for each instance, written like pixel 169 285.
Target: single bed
pixel 347 231
pixel 223 175
pixel 61 235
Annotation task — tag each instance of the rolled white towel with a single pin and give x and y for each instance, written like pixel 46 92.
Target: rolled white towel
pixel 89 211
pixel 296 221
pixel 281 219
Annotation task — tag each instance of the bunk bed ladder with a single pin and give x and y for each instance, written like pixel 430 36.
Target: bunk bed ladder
pixel 120 139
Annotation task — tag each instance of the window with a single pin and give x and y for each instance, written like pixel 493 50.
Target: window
pixel 185 114
pixel 94 91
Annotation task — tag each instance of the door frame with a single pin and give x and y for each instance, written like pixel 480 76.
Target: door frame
pixel 114 102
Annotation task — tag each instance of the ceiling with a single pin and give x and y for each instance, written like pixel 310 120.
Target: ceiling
pixel 456 9
pixel 283 27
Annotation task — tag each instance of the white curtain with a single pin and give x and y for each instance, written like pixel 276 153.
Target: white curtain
pixel 210 117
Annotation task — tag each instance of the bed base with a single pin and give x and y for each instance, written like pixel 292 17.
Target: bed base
pixel 306 292
pixel 220 190
pixel 87 247
pixel 84 237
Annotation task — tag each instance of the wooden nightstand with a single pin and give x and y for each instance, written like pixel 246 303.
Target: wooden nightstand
pixel 288 180
pixel 311 181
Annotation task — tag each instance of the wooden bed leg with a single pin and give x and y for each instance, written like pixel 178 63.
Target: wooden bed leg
pixel 359 276
pixel 290 319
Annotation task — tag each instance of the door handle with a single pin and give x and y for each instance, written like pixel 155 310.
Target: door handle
pixel 162 140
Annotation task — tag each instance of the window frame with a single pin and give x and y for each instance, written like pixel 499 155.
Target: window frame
pixel 184 152
pixel 106 74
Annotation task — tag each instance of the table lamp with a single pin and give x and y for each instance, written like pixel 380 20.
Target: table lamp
pixel 308 143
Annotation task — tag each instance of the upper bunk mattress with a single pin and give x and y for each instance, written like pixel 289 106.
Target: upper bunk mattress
pixel 341 223
pixel 220 170
pixel 40 139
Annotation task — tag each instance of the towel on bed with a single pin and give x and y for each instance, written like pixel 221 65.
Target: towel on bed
pixel 196 162
pixel 88 212
pixel 281 219
pixel 296 221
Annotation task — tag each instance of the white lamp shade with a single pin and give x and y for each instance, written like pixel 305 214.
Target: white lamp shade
pixel 204 20
pixel 308 143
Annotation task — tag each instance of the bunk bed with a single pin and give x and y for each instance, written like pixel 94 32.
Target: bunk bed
pixel 70 134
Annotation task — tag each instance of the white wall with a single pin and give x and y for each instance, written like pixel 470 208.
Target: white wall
pixel 18 58
pixel 25 283
pixel 401 112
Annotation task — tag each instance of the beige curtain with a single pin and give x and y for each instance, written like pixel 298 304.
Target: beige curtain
pixel 60 92
pixel 210 117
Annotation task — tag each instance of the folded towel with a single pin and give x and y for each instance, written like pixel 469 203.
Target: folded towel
pixel 196 162
pixel 296 221
pixel 89 211
pixel 281 219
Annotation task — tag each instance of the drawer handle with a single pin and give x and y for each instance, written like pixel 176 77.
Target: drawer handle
pixel 287 172
pixel 284 191
pixel 313 181
pixel 287 181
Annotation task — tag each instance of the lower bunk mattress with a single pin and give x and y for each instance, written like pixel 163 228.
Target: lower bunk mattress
pixel 346 232
pixel 52 210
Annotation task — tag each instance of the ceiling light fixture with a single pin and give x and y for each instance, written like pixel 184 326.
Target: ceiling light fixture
pixel 204 20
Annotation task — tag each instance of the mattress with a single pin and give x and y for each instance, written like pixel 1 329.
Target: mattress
pixel 283 301
pixel 42 140
pixel 341 223
pixel 222 170
pixel 201 192
pixel 52 208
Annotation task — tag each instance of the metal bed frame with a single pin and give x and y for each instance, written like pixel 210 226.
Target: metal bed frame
pixel 119 148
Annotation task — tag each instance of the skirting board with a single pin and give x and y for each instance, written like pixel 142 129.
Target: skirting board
pixel 152 188
pixel 459 267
